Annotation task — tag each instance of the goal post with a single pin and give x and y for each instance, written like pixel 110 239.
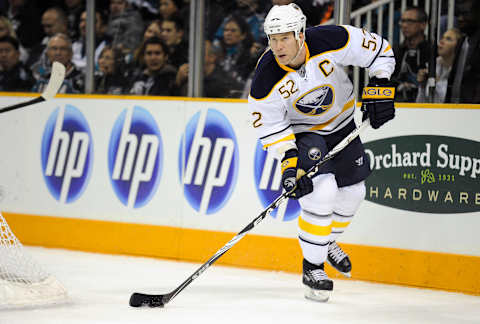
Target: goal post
pixel 23 282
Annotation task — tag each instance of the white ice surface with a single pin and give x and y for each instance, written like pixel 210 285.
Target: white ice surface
pixel 100 287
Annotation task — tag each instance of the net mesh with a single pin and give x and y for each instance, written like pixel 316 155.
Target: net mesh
pixel 23 282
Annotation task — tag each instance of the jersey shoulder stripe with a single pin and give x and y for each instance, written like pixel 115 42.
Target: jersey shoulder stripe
pixel 321 39
pixel 267 74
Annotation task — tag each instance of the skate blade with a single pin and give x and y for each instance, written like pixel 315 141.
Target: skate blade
pixel 345 274
pixel 321 296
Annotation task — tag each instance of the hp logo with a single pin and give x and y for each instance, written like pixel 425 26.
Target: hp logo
pixel 268 182
pixel 134 157
pixel 67 154
pixel 208 161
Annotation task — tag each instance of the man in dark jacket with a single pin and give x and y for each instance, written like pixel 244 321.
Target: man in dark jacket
pixel 158 77
pixel 59 49
pixel 172 34
pixel 14 76
pixel 413 53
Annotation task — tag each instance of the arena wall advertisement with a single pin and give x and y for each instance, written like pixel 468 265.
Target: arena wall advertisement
pixel 178 177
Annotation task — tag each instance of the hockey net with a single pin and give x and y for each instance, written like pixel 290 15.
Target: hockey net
pixel 23 283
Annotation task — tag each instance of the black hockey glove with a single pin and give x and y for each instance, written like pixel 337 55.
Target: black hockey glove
pixel 304 185
pixel 378 101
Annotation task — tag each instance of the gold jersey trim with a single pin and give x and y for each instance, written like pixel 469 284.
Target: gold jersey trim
pixel 347 106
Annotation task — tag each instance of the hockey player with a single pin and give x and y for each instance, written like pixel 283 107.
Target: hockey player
pixel 302 104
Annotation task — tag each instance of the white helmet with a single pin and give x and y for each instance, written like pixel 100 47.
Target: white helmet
pixel 284 19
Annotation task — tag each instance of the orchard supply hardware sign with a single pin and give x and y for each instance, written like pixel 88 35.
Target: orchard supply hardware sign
pixel 425 173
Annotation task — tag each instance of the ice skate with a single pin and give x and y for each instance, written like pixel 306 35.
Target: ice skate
pixel 318 286
pixel 339 259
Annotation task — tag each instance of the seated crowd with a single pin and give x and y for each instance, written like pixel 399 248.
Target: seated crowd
pixel 142 49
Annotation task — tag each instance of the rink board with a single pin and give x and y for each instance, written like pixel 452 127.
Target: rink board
pixel 70 179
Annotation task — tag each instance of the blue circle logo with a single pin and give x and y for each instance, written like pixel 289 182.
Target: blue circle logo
pixel 316 101
pixel 268 182
pixel 135 157
pixel 67 154
pixel 208 166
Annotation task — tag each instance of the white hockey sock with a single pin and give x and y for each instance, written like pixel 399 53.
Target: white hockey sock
pixel 347 203
pixel 339 224
pixel 314 233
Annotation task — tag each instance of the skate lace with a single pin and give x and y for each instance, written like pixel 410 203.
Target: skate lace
pixel 318 274
pixel 336 252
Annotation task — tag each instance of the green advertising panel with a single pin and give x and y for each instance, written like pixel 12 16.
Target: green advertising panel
pixel 425 173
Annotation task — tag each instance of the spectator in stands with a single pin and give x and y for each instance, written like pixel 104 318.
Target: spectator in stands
pixel 446 55
pixel 158 77
pixel 59 48
pixel 74 9
pixel 101 39
pixel 413 53
pixel 239 56
pixel 464 81
pixel 135 61
pixel 172 34
pixel 25 18
pixel 125 25
pixel 248 10
pixel 14 76
pixel 110 78
pixel 154 29
pixel 54 21
pixel 216 84
pixel 6 29
pixel 168 8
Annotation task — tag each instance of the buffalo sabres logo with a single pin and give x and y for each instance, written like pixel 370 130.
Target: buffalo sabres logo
pixel 316 101
pixel 314 153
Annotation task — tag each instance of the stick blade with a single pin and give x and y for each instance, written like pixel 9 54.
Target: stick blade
pixel 139 300
pixel 56 80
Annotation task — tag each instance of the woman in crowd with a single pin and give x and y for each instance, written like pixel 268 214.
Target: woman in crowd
pixel 110 79
pixel 239 52
pixel 446 55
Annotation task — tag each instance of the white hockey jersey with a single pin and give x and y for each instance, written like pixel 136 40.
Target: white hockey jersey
pixel 319 96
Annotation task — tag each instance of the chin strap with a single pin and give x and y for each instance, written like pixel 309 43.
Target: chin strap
pixel 298 53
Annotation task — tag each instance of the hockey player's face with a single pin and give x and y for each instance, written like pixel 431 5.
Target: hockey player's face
pixel 284 46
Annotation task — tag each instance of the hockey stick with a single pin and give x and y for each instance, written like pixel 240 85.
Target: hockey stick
pixel 56 79
pixel 139 299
